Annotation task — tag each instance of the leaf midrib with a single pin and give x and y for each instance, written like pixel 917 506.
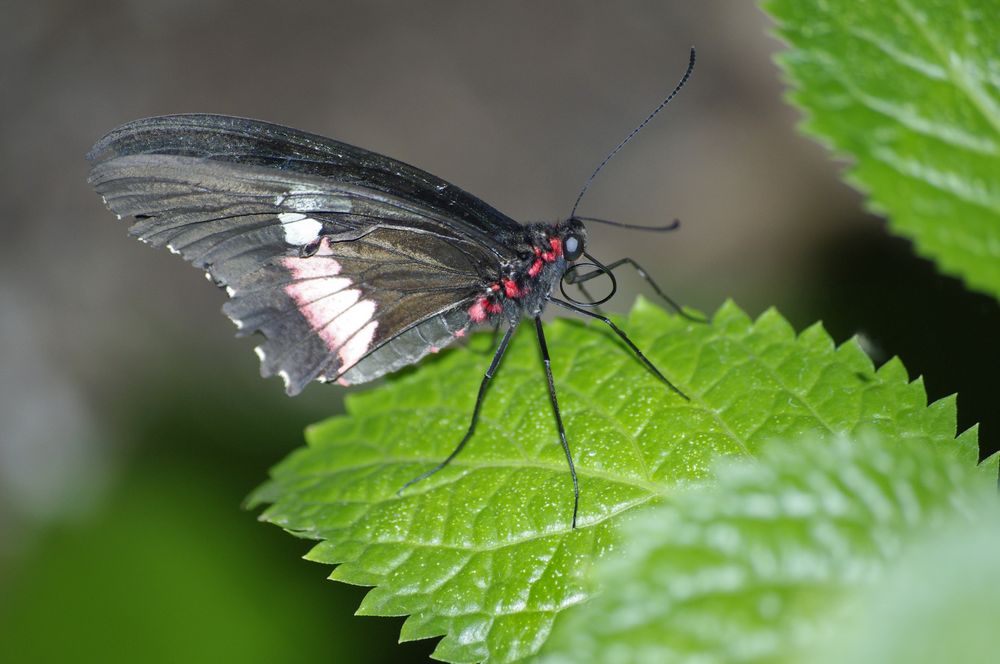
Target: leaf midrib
pixel 556 468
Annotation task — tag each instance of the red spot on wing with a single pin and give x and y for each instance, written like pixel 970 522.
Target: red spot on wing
pixel 535 268
pixel 477 312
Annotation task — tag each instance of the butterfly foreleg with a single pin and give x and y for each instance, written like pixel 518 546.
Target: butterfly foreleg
pixel 624 337
pixel 573 277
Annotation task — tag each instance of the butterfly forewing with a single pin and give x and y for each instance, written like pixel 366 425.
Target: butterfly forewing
pixel 349 263
pixel 251 142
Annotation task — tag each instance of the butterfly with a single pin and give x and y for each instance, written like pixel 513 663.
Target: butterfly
pixel 349 264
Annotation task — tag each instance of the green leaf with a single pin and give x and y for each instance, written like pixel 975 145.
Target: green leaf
pixel 751 568
pixel 938 603
pixel 910 90
pixel 483 552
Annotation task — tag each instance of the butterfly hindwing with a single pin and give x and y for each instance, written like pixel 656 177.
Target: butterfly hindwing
pixel 322 314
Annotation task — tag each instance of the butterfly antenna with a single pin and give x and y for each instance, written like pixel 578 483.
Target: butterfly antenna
pixel 677 88
pixel 673 225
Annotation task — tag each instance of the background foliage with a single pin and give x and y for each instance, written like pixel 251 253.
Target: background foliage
pixel 756 568
pixel 907 90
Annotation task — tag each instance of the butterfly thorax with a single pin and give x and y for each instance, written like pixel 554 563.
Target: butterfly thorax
pixel 543 254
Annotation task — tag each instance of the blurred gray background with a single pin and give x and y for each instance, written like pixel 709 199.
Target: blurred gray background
pixel 132 423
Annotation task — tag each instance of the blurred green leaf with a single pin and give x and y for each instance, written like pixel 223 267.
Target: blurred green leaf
pixel 483 552
pixel 910 90
pixel 166 572
pixel 938 603
pixel 749 569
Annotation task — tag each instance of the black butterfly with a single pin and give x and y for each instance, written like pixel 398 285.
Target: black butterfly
pixel 350 264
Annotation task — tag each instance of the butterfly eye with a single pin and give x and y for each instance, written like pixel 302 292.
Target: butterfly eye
pixel 573 247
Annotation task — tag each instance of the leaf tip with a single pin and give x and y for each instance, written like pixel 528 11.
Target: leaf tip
pixel 893 371
pixel 730 314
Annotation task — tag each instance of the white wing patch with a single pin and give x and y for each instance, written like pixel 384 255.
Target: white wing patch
pixel 299 229
pixel 335 311
pixel 357 345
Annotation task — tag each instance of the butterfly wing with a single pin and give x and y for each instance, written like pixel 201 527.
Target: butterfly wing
pixel 349 263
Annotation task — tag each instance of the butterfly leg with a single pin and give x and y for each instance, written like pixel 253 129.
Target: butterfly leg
pixel 555 409
pixel 579 279
pixel 497 356
pixel 624 337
